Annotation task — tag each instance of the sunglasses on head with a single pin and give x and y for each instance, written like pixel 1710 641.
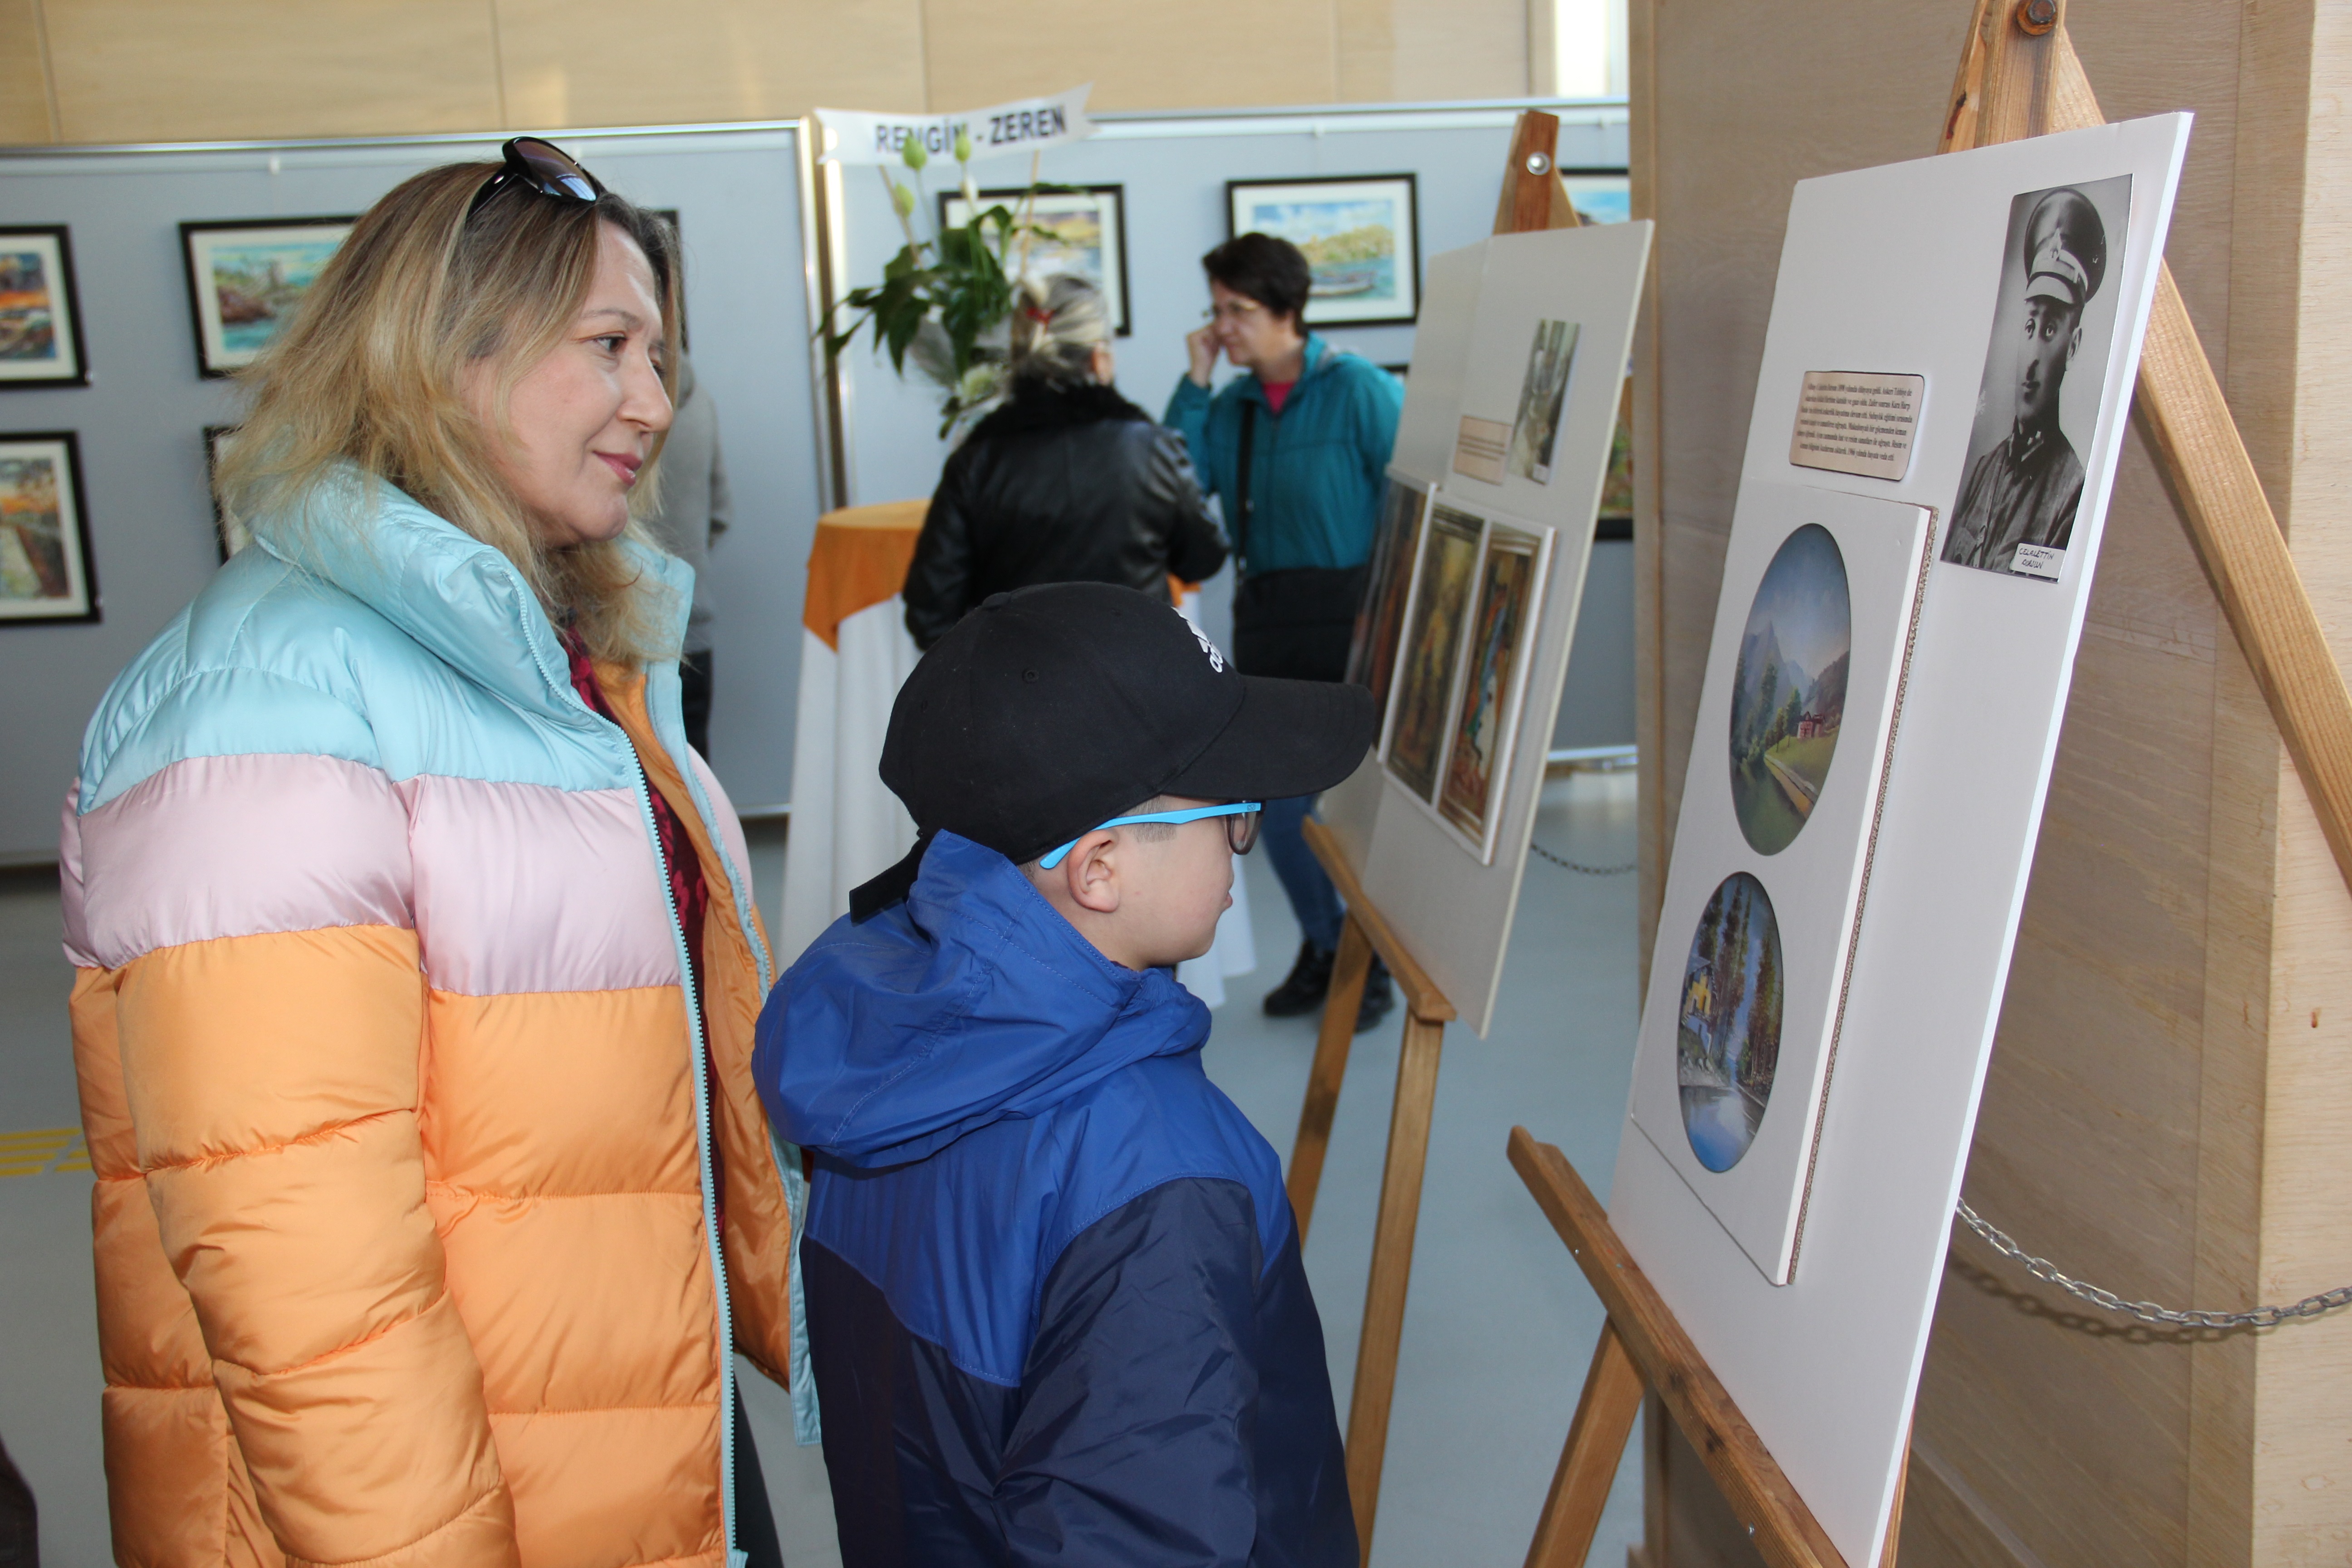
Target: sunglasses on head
pixel 540 166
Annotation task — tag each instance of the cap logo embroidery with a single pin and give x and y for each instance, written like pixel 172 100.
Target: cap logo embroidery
pixel 1216 659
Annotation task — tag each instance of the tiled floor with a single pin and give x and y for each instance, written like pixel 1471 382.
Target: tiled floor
pixel 1496 1334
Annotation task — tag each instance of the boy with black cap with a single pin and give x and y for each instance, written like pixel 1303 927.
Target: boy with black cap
pixel 1055 1306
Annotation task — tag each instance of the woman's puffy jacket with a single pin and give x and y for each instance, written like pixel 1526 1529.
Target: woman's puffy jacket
pixel 406 1238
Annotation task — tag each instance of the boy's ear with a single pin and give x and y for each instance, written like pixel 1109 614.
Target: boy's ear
pixel 1091 872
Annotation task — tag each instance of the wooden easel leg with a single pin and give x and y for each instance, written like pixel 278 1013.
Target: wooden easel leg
pixel 1894 1518
pixel 1588 1464
pixel 1376 1351
pixel 1348 971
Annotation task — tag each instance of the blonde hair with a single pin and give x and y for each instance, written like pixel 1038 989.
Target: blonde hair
pixel 372 372
pixel 1057 323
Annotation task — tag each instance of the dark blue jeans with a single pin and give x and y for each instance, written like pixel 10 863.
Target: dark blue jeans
pixel 1312 897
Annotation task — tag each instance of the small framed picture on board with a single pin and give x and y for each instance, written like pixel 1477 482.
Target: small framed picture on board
pixel 46 573
pixel 1077 230
pixel 1600 195
pixel 40 317
pixel 1359 232
pixel 246 277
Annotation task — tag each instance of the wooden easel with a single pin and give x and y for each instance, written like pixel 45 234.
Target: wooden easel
pixel 1533 198
pixel 2019 77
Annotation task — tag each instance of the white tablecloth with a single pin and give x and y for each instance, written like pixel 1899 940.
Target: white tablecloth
pixel 847 828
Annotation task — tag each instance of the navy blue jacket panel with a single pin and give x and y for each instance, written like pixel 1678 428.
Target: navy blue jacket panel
pixel 1054 1301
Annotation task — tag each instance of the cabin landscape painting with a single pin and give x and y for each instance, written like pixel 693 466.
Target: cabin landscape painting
pixel 1787 692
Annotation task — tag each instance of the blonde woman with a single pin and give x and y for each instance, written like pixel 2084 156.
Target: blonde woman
pixel 418 966
pixel 1066 481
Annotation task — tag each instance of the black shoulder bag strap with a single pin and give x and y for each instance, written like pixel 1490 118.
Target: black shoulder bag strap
pixel 1249 443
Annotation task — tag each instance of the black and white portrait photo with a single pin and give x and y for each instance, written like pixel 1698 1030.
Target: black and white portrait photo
pixel 2046 368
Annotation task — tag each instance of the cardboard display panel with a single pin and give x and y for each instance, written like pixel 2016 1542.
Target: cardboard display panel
pixel 1826 1365
pixel 1516 372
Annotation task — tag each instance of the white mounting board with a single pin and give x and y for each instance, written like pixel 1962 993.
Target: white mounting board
pixel 1825 1368
pixel 1479 309
pixel 1814 883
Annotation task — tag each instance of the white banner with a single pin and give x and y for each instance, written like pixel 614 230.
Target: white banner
pixel 853 136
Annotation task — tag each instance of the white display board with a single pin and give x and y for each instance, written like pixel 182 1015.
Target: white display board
pixel 1826 1366
pixel 1755 932
pixel 1509 410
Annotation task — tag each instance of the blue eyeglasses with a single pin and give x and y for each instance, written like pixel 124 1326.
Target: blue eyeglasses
pixel 1241 827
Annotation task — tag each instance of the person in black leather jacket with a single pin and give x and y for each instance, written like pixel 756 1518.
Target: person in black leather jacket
pixel 1066 481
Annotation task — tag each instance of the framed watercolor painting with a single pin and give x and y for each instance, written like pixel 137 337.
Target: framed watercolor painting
pixel 245 278
pixel 1084 235
pixel 1359 234
pixel 1600 195
pixel 40 316
pixel 46 573
pixel 1432 637
pixel 1494 683
pixel 1396 547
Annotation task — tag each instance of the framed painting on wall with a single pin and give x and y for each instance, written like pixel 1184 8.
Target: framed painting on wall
pixel 246 277
pixel 1359 234
pixel 227 537
pixel 1600 195
pixel 40 316
pixel 1080 231
pixel 46 573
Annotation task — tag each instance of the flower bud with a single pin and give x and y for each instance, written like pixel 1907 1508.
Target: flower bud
pixel 901 198
pixel 963 145
pixel 911 152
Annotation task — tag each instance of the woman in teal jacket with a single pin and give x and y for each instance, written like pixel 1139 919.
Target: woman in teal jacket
pixel 1296 451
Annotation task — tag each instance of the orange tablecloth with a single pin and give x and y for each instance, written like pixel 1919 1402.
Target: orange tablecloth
pixel 860 559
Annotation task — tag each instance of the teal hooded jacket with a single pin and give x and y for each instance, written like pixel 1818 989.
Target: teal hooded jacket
pixel 1317 469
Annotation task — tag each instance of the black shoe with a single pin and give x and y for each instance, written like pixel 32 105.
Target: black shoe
pixel 1303 991
pixel 1380 996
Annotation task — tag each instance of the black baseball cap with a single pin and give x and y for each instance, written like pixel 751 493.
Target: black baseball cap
pixel 1050 709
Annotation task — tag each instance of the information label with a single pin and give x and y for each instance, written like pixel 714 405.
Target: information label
pixel 2037 561
pixel 1479 448
pixel 1857 422
pixel 853 136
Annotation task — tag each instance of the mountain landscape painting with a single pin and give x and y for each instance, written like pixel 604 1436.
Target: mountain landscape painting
pixel 1788 694
pixel 1727 1035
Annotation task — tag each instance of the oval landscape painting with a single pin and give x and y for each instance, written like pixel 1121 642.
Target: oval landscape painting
pixel 1727 1037
pixel 1787 688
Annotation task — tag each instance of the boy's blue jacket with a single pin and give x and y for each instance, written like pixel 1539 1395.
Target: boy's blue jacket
pixel 1317 473
pixel 1055 1306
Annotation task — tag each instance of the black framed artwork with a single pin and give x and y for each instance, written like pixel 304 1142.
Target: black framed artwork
pixel 1361 234
pixel 1084 234
pixel 245 277
pixel 40 313
pixel 45 572
pixel 227 537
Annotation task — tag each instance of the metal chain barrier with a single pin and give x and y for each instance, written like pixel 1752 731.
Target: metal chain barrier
pixel 2149 1312
pixel 1585 870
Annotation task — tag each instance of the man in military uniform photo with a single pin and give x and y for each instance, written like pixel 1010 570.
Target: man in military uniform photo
pixel 2024 489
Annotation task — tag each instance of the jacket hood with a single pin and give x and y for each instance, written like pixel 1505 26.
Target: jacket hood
pixel 1318 355
pixel 972 1001
pixel 452 593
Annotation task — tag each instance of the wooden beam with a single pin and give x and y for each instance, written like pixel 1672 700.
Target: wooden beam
pixel 1783 1527
pixel 1588 1464
pixel 1350 969
pixel 1533 198
pixel 1384 1292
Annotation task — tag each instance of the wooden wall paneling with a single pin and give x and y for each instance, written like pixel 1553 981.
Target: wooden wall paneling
pixel 603 62
pixel 24 109
pixel 149 70
pixel 2302 1483
pixel 1419 50
pixel 1139 54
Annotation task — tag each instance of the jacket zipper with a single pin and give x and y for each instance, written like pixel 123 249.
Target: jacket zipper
pixel 735 1558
